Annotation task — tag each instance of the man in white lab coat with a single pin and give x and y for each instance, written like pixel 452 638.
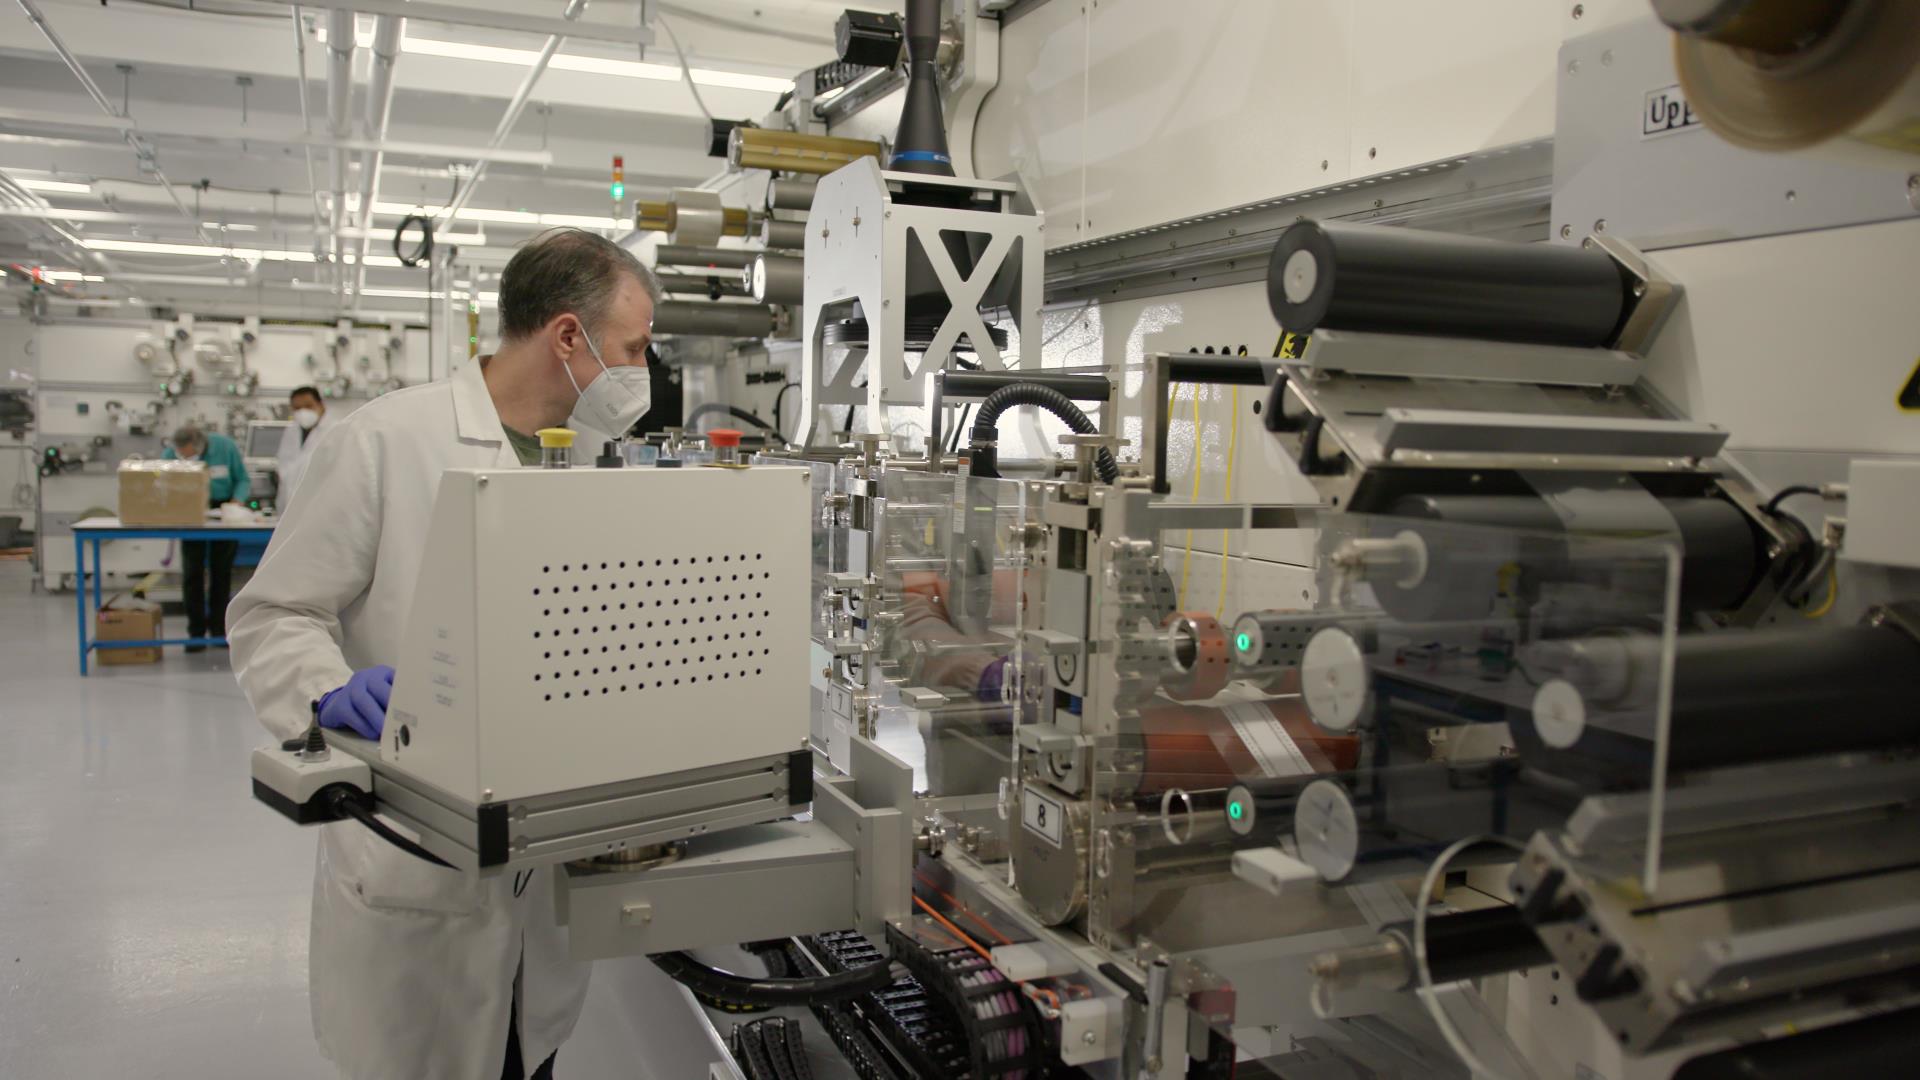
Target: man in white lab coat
pixel 417 971
pixel 308 413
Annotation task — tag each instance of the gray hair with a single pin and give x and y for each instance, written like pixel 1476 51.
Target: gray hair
pixel 566 271
pixel 188 435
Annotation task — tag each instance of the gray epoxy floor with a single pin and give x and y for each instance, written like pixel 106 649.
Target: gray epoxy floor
pixel 153 917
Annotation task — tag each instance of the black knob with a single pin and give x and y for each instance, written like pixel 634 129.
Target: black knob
pixel 609 456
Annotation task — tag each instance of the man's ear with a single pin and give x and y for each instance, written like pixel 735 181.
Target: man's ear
pixel 566 330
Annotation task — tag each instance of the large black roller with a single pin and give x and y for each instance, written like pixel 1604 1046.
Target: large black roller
pixel 1344 276
pixel 1738 697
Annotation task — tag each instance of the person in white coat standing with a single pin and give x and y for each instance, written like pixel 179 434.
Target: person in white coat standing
pixel 308 411
pixel 417 971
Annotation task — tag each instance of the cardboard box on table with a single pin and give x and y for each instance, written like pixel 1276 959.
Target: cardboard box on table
pixel 163 493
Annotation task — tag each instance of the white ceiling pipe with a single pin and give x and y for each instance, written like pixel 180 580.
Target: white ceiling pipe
pixel 18 199
pixel 340 44
pixel 141 149
pixel 387 30
pixel 306 120
pixel 519 102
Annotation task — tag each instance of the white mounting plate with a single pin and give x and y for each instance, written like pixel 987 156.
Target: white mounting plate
pixel 860 242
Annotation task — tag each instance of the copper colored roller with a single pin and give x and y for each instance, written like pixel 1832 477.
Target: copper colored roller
pixel 665 217
pixel 1198 749
pixel 793 151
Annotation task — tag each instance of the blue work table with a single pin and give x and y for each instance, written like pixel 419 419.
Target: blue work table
pixel 89 533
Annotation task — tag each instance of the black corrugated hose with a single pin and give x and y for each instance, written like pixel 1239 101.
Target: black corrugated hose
pixel 819 990
pixel 735 411
pixel 982 454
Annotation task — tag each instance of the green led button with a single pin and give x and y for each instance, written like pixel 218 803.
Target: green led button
pixel 1243 641
pixel 1235 809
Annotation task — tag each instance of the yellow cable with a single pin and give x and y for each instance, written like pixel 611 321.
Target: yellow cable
pixel 1233 446
pixel 1833 591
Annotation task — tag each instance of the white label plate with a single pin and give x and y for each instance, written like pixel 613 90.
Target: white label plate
pixel 1042 816
pixel 1665 111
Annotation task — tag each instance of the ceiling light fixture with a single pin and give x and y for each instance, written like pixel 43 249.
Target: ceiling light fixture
pixel 147 247
pixel 593 65
pixel 53 185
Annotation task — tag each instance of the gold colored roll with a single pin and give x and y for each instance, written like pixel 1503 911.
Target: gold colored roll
pixel 652 217
pixel 665 217
pixel 1849 85
pixel 792 151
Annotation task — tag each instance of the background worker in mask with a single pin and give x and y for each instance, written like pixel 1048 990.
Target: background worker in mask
pixel 309 411
pixel 417 971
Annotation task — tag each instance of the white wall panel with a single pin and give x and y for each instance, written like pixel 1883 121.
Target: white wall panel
pixel 1119 114
pixel 1797 342
pixel 1432 80
pixel 1033 126
pixel 1202 105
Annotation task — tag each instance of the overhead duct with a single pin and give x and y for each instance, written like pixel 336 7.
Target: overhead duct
pixel 340 45
pixel 387 31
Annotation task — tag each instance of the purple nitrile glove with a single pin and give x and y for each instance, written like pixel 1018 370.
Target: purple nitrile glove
pixel 992 681
pixel 361 705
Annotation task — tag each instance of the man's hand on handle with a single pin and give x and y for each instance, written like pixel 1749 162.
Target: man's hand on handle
pixel 361 705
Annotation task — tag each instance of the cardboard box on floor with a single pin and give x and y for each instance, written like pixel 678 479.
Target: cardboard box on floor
pixel 163 493
pixel 127 619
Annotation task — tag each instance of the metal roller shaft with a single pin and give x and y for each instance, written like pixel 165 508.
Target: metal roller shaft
pixel 1344 276
pixel 776 279
pixel 793 151
pixel 788 235
pixel 690 255
pixel 1738 698
pixel 791 192
pixel 726 284
pixel 712 319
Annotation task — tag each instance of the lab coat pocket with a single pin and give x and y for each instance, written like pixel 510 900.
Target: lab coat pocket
pixel 384 877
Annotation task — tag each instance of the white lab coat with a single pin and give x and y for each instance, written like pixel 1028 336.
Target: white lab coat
pixel 411 966
pixel 294 455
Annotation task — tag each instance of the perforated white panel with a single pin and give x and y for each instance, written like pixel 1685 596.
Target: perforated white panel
pixel 633 626
pixel 626 623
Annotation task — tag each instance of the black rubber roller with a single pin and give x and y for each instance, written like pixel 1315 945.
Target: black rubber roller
pixel 1385 279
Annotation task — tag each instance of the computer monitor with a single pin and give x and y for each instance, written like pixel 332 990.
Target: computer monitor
pixel 263 438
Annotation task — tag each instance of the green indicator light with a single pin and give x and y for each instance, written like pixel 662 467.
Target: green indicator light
pixel 1243 641
pixel 1236 810
pixel 619 191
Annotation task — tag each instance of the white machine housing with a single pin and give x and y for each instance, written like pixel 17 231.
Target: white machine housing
pixel 859 242
pixel 578 627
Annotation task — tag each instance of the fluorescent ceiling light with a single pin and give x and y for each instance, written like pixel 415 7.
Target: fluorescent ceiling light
pixel 68 275
pixel 61 213
pixel 595 65
pixel 499 217
pixel 583 221
pixel 53 185
pixel 146 247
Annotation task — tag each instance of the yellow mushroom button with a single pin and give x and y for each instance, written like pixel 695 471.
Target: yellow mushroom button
pixel 555 438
